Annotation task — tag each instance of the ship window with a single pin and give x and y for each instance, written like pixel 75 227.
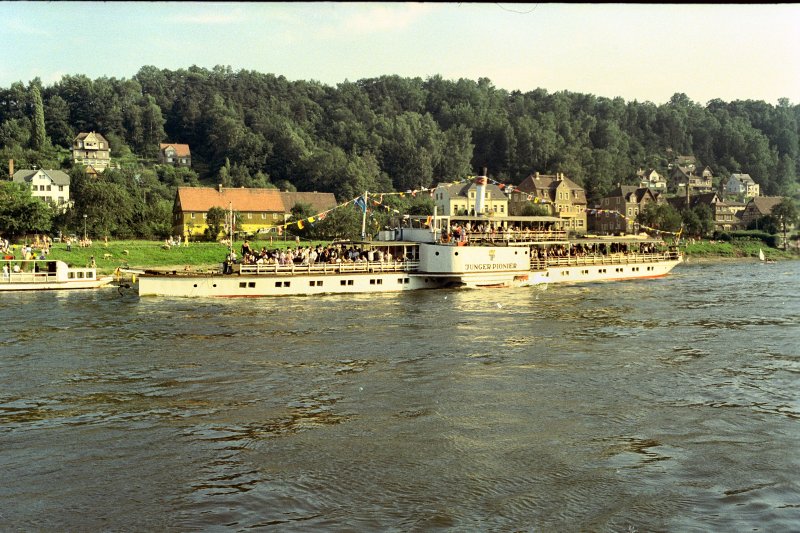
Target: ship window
pixel 349 281
pixel 287 283
pixel 584 271
pixel 252 284
pixel 242 284
pixel 343 282
pixel 277 283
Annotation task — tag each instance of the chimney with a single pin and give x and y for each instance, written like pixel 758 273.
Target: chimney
pixel 219 187
pixel 10 169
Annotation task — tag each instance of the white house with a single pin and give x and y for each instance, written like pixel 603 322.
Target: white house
pixel 742 184
pixel 51 186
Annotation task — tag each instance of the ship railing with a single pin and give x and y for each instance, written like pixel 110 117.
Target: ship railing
pixel 329 268
pixel 599 259
pixel 516 236
pixel 28 277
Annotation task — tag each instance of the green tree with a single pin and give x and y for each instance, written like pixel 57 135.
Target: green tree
pixel 786 214
pixel 39 139
pixel 56 119
pixel 216 220
pixel 20 212
pixel 661 217
pixel 698 220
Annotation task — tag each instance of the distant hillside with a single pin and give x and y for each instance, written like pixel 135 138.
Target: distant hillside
pixel 247 128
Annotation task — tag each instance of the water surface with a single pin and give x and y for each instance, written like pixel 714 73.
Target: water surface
pixel 652 405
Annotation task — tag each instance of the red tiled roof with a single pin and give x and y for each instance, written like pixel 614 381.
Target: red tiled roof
pixel 201 199
pixel 181 150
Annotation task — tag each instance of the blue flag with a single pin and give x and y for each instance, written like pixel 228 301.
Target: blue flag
pixel 361 203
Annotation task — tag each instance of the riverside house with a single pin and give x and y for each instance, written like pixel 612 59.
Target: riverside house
pixel 562 197
pixel 626 200
pixel 459 199
pixel 257 209
pixel 50 186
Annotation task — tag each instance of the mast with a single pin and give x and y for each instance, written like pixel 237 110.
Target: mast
pixel 230 227
pixel 364 217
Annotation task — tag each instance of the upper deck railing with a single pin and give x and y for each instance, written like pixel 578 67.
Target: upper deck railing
pixel 327 268
pixel 515 236
pixel 600 259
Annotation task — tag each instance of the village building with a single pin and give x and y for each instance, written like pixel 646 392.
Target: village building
pixel 724 214
pixel 50 186
pixel 618 211
pixel 758 207
pixel 652 180
pixel 92 151
pixel 257 209
pixel 459 199
pixel 562 197
pixel 688 176
pixel 742 185
pixel 175 154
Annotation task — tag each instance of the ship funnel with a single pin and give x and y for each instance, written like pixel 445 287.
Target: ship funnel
pixel 480 194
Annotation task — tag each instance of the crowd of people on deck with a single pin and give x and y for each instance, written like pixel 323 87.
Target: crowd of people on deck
pixel 461 233
pixel 311 255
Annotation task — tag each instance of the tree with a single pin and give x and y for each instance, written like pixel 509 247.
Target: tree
pixel 786 214
pixel 661 217
pixel 216 219
pixel 39 140
pixel 20 212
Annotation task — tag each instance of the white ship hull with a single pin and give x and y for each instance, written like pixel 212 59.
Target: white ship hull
pixel 611 269
pixel 259 285
pixel 44 275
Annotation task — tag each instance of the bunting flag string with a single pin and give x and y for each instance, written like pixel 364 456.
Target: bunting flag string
pixel 360 203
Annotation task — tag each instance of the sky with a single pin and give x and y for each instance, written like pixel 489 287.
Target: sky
pixel 642 52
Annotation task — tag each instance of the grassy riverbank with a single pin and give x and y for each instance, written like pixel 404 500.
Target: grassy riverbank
pixel 205 256
pixel 738 249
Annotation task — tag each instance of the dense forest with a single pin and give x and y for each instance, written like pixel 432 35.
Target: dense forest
pixel 251 129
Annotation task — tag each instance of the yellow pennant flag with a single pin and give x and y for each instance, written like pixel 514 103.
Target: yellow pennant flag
pixel 310 220
pixel 300 224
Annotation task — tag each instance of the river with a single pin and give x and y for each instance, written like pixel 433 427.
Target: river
pixel 652 405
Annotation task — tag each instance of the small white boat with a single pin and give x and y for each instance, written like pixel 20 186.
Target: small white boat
pixel 763 258
pixel 44 275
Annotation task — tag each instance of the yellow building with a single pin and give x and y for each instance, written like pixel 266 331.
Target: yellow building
pixel 459 199
pixel 563 198
pixel 257 209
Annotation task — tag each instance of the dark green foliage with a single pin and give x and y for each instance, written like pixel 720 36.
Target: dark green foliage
pixel 216 220
pixel 249 129
pixel 21 213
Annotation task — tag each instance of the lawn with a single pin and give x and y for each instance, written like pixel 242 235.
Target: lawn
pixel 138 254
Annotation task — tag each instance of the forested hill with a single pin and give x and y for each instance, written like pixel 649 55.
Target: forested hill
pixel 395 133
